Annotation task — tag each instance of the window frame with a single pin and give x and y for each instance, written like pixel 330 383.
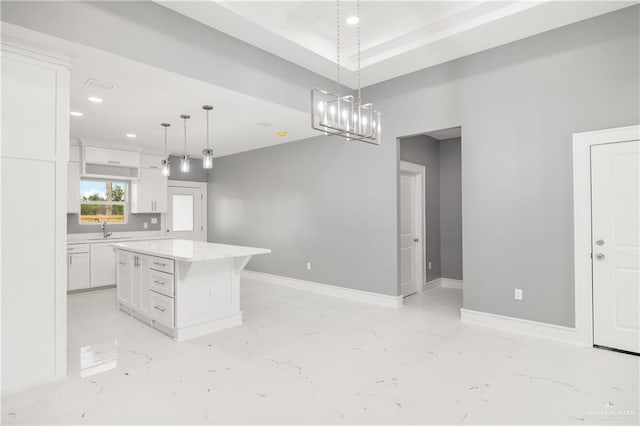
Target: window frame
pixel 124 204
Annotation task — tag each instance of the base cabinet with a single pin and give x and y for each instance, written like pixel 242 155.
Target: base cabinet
pixel 138 279
pixel 103 265
pixel 78 271
pixel 124 267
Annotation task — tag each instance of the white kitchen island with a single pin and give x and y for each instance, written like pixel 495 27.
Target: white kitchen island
pixel 183 288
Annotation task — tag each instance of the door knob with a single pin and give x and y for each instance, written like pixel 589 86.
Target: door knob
pixel 600 242
pixel 599 256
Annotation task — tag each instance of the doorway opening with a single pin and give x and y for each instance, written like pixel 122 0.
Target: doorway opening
pixel 430 210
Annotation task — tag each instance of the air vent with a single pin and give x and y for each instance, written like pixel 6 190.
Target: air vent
pixel 100 84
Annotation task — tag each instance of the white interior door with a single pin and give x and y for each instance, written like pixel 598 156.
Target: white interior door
pixel 615 188
pixel 410 234
pixel 186 212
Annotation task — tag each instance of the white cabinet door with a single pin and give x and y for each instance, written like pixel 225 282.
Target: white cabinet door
pixel 78 271
pixel 149 192
pixel 143 192
pixel 161 184
pixel 103 265
pixel 124 268
pixel 140 284
pixel 111 157
pixel 73 187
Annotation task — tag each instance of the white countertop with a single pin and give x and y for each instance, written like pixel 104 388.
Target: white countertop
pixel 187 250
pixel 96 237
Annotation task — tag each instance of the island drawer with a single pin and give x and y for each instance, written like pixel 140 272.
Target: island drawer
pixel 161 282
pixel 161 264
pixel 162 309
pixel 78 248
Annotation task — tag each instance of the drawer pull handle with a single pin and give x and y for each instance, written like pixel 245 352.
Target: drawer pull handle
pixel 70 248
pixel 158 282
pixel 122 263
pixel 159 263
pixel 159 308
pixel 113 162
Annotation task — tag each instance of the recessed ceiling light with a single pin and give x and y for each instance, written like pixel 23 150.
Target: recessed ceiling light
pixel 95 99
pixel 353 20
pixel 131 135
pixel 76 114
pixel 282 133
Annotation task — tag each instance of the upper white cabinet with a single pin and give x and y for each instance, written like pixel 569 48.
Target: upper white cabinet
pixel 149 192
pixel 98 161
pixel 73 187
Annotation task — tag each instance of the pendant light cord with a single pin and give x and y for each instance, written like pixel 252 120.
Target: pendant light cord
pixel 358 15
pixel 207 129
pixel 185 135
pixel 338 46
pixel 166 146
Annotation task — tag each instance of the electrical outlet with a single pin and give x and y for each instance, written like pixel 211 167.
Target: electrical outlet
pixel 308 266
pixel 145 225
pixel 154 220
pixel 429 265
pixel 517 294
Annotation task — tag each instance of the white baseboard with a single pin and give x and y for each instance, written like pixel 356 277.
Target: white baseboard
pixel 532 328
pixel 451 283
pixel 329 290
pixel 430 285
pixel 443 282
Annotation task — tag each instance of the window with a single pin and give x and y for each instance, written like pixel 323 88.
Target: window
pixel 103 200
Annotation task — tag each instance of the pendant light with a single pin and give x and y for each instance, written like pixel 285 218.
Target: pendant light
pixel 185 165
pixel 166 168
pixel 207 154
pixel 346 116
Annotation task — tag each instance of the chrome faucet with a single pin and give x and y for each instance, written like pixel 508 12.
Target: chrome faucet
pixel 105 234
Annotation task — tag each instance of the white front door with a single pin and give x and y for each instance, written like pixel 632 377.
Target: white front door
pixel 615 188
pixel 410 234
pixel 186 211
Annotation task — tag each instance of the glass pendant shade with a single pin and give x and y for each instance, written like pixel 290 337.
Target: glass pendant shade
pixel 185 164
pixel 164 164
pixel 207 153
pixel 207 158
pixel 165 167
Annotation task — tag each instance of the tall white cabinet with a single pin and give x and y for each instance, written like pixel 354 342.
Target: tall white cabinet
pixel 33 186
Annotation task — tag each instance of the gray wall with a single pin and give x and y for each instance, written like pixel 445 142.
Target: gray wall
pixel 425 151
pixel 323 200
pixel 196 172
pixel 135 222
pixel 518 106
pixel 450 208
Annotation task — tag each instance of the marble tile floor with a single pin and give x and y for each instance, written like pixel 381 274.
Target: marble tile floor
pixel 304 358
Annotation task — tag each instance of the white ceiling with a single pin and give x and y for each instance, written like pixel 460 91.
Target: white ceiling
pixel 146 96
pixel 398 37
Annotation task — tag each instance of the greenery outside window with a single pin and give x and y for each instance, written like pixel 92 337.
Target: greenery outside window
pixel 103 200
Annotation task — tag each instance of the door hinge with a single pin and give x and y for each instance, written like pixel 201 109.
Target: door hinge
pixel 201 228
